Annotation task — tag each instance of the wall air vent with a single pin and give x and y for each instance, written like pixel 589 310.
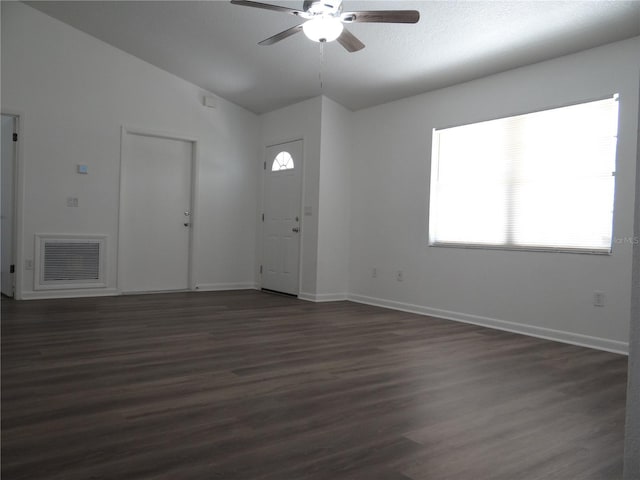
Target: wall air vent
pixel 70 261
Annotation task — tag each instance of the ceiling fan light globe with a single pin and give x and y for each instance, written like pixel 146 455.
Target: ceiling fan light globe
pixel 323 28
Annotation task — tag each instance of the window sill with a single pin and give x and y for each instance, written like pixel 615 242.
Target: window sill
pixel 471 246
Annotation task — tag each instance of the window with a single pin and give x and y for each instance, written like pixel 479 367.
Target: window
pixel 283 161
pixel 543 180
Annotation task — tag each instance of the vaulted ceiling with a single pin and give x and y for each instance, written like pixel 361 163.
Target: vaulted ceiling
pixel 213 44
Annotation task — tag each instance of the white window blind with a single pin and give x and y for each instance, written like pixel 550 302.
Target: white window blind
pixel 542 180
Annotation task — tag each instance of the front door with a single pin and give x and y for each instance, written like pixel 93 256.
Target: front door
pixel 281 232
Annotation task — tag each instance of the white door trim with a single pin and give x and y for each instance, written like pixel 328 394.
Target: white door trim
pixel 126 130
pixel 265 165
pixel 18 201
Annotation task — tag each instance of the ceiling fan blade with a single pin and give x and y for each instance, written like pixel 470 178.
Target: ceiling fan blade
pixel 281 36
pixel 381 16
pixel 266 6
pixel 349 41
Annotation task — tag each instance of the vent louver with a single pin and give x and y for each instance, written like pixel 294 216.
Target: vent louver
pixel 70 261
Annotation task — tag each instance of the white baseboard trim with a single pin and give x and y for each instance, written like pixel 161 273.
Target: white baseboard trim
pixel 76 293
pixel 323 297
pixel 531 330
pixel 219 287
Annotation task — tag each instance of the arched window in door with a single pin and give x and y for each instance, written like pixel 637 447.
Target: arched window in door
pixel 283 161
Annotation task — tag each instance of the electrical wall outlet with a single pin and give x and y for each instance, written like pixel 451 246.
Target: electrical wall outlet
pixel 399 275
pixel 374 273
pixel 28 264
pixel 598 299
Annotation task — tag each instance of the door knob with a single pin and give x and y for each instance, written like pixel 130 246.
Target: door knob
pixel 295 229
pixel 187 224
pixel 186 214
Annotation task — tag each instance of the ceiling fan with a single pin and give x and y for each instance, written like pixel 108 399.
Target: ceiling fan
pixel 325 21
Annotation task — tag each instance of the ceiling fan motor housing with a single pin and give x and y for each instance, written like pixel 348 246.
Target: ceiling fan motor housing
pixel 322 7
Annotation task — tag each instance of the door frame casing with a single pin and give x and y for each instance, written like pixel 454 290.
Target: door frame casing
pixel 300 205
pixel 18 201
pixel 145 132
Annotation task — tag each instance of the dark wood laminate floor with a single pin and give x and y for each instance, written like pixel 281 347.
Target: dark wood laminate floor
pixel 247 385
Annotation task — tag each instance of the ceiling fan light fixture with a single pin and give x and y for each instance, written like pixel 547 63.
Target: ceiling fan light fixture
pixel 323 28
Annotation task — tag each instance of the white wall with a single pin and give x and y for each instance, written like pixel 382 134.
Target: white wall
pixel 547 294
pixel 74 93
pixel 299 121
pixel 335 202
pixel 632 424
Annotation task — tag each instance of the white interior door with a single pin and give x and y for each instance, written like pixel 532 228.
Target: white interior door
pixel 281 232
pixel 7 216
pixel 155 213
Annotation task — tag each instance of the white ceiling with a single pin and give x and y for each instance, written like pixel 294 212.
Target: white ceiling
pixel 214 44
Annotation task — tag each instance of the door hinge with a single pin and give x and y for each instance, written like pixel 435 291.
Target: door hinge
pixel 12 269
pixel 261 269
pixel 264 165
pixel 263 217
pixel 15 137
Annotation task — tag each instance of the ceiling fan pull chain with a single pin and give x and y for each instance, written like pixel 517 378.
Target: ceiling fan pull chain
pixel 321 64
